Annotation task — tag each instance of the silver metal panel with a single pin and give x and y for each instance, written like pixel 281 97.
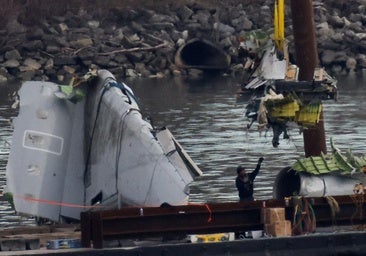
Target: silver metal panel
pixel 272 67
pixel 327 185
pixel 54 140
pixel 73 191
pixel 39 151
pixel 126 159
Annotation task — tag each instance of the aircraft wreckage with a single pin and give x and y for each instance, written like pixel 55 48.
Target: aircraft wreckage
pixel 280 97
pixel 86 146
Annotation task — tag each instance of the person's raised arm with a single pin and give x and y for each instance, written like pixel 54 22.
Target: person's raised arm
pixel 255 172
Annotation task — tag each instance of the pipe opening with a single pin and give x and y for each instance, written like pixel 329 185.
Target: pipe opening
pixel 202 54
pixel 286 184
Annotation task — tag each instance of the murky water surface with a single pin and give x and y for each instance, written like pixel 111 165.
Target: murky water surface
pixel 207 118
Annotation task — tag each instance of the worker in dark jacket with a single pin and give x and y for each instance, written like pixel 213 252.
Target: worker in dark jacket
pixel 244 181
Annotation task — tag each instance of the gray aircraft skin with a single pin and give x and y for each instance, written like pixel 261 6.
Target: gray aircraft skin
pixel 97 153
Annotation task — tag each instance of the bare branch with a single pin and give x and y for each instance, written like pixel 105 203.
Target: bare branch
pixel 136 49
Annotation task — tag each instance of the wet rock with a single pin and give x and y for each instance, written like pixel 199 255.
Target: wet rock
pixel 351 63
pixel 161 18
pixel 337 69
pixel 77 39
pixel 13 63
pixel 131 73
pixel 184 13
pixel 160 75
pixel 52 49
pixel 35 34
pixel 62 28
pixel 102 60
pixel 337 37
pixel 185 35
pixel 137 27
pixel 4 75
pixel 120 58
pixel 31 64
pixel 27 75
pixel 69 69
pixel 48 64
pixel 14 27
pixel 323 29
pixel 356 27
pixel 93 24
pixel 64 60
pixel 245 24
pixel 130 41
pixel 81 43
pixel 142 70
pixel 223 28
pixel 361 60
pixel 177 72
pixel 135 56
pixel 12 55
pixel 48 29
pixel 337 21
pixel 3 79
pixel 180 42
pixel 32 46
pixel 328 56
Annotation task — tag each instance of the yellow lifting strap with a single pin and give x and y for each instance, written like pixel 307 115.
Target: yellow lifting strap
pixel 279 23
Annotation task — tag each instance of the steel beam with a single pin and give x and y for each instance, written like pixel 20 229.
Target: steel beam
pixel 176 221
pixel 172 220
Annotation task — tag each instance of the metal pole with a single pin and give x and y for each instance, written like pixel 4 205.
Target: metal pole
pixel 306 55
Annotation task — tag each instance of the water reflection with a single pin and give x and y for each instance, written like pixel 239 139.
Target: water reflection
pixel 208 119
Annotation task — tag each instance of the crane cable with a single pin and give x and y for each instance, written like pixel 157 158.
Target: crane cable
pixel 279 24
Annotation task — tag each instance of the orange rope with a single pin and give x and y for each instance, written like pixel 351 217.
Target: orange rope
pixel 207 206
pixel 49 202
pixel 210 213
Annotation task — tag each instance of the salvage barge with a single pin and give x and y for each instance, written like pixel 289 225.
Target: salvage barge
pixel 318 225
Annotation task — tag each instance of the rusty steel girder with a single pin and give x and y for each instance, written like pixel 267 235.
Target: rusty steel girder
pixel 145 222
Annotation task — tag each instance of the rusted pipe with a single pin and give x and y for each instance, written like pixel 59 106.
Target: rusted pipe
pixel 314 139
pixel 306 54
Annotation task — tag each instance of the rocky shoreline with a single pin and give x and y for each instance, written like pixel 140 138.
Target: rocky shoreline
pixel 143 42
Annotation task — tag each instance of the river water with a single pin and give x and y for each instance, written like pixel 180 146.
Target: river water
pixel 207 118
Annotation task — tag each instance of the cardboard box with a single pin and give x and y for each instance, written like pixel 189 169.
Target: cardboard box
pixel 271 215
pixel 278 228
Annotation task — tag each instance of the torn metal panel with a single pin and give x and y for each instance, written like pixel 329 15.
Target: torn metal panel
pixel 72 154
